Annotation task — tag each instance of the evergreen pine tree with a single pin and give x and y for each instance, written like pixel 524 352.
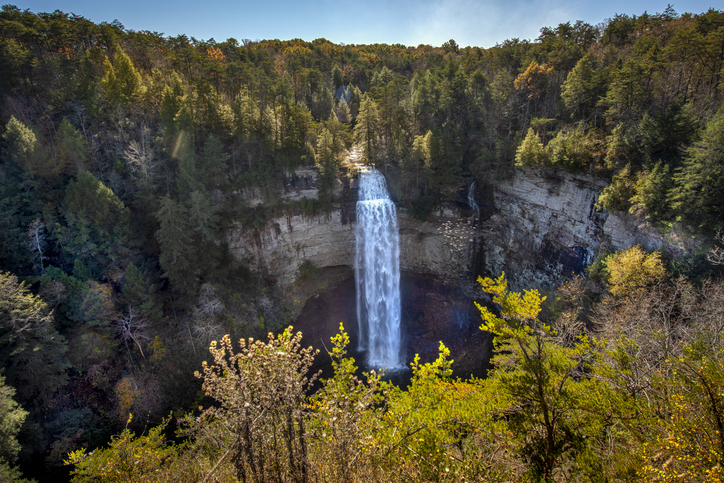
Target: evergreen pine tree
pixel 530 152
pixel 698 192
pixel 367 128
pixel 31 350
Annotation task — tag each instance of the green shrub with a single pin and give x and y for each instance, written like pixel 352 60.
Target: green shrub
pixel 307 270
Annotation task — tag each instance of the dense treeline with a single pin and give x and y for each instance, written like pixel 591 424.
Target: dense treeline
pixel 625 97
pixel 126 156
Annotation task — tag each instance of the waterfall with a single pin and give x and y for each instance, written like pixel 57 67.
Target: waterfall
pixel 377 272
pixel 474 220
pixel 472 203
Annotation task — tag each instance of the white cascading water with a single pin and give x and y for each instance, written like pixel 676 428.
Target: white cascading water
pixel 472 203
pixel 377 272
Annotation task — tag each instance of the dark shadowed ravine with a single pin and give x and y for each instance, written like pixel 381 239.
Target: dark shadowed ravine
pixel 431 312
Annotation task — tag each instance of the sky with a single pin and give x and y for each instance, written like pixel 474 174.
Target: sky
pixel 482 23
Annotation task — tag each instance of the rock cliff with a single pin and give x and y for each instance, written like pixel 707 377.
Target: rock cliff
pixel 280 247
pixel 543 229
pixel 440 247
pixel 537 229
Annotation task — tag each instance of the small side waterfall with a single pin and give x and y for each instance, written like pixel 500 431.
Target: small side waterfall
pixel 377 272
pixel 474 221
pixel 472 203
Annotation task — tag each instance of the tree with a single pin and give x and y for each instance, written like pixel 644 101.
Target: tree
pixel 691 442
pixel 214 164
pixel 37 242
pixel 687 440
pixel 382 77
pixel 139 292
pixel 555 405
pixel 89 201
pixel 28 150
pixel 188 178
pixel 652 190
pixel 260 416
pixel 420 158
pixel 122 83
pixel 21 141
pixel 577 90
pixel 31 350
pixel 329 148
pixel 344 415
pixel 327 151
pixel 530 152
pixel 130 326
pixel 367 128
pixel 203 217
pixel 73 150
pixel 98 223
pixel 534 79
pixel 19 206
pixel 148 458
pixel 450 46
pixel 12 416
pixel 621 146
pixel 572 150
pixel 442 429
pixel 141 158
pixel 174 236
pixel 337 79
pixel 632 270
pixel 533 82
pixel 172 101
pixel 617 196
pixel 628 92
pixel 12 475
pixel 92 309
pixel 342 112
pixel 664 136
pixel 698 193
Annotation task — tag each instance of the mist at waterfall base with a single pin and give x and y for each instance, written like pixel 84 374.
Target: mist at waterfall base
pixel 377 273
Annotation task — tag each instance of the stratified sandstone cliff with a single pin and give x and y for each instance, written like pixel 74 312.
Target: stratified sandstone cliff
pixel 538 229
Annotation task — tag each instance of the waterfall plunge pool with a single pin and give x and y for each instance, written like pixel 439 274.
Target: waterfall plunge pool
pixel 430 312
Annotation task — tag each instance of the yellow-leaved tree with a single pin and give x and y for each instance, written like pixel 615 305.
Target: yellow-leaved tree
pixel 633 270
pixel 557 409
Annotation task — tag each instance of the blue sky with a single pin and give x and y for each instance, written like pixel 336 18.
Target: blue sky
pixel 410 22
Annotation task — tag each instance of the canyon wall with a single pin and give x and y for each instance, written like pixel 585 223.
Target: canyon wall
pixel 280 247
pixel 542 229
pixel 537 229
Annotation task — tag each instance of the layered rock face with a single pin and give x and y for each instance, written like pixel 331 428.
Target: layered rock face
pixel 280 247
pixel 542 230
pixel 539 230
pixel 283 245
pixel 442 246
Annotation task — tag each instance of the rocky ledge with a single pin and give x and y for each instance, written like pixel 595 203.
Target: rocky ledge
pixel 543 229
pixel 538 229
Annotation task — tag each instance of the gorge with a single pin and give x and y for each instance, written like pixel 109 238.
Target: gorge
pixel 159 193
pixel 538 230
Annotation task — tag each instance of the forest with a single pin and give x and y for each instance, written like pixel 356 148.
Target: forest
pixel 133 348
